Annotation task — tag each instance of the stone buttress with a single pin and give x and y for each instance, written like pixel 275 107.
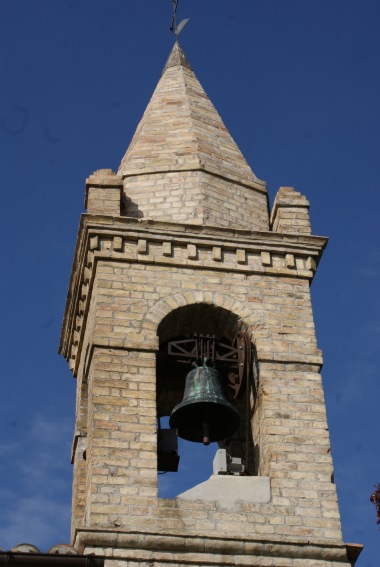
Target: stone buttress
pixel 180 241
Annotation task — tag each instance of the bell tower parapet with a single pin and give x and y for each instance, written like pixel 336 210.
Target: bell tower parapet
pixel 290 213
pixel 103 193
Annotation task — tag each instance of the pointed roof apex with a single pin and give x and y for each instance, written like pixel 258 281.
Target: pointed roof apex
pixel 181 131
pixel 182 150
pixel 176 57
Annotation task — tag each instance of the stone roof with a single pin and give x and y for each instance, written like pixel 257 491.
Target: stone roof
pixel 181 129
pixel 65 555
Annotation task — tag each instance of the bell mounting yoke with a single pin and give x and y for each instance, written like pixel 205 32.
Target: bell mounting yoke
pixel 237 357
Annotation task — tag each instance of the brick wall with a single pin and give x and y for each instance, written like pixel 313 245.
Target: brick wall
pixel 180 241
pixel 133 289
pixel 195 197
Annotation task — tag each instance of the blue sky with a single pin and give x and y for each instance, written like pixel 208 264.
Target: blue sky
pixel 297 84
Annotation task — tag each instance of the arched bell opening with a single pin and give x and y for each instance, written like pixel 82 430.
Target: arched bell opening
pixel 195 341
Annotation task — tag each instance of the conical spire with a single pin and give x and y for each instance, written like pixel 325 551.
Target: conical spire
pixel 176 57
pixel 182 141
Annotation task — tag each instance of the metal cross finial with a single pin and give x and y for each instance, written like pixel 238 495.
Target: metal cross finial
pixel 174 28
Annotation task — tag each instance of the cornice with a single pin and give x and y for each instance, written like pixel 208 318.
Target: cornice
pixel 187 548
pixel 202 231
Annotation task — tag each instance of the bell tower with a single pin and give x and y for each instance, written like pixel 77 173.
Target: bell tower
pixel 179 261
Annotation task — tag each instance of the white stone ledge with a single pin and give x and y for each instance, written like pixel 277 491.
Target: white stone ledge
pixel 192 549
pixel 229 491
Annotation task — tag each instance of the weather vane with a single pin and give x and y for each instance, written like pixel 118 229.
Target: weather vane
pixel 174 28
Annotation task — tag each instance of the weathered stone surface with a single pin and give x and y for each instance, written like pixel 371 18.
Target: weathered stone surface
pixel 229 492
pixel 290 212
pixel 182 164
pixel 188 250
pixel 103 192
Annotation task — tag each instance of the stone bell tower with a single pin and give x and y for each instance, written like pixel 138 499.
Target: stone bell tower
pixel 179 245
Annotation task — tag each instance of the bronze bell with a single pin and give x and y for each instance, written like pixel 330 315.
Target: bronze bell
pixel 204 415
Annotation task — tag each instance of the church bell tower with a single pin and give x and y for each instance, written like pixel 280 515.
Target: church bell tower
pixel 188 298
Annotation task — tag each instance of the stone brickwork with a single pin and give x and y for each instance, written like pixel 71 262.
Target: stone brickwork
pixel 103 193
pixel 182 164
pixel 195 197
pixel 290 213
pixel 133 288
pixel 188 251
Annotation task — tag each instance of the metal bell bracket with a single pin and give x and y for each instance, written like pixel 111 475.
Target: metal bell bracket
pixel 201 348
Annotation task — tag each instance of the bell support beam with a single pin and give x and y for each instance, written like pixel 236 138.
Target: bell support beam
pixel 200 347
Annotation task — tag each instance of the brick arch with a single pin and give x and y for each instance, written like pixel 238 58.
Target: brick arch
pixel 246 315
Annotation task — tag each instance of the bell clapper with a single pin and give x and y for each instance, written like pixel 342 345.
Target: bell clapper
pixel 206 433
